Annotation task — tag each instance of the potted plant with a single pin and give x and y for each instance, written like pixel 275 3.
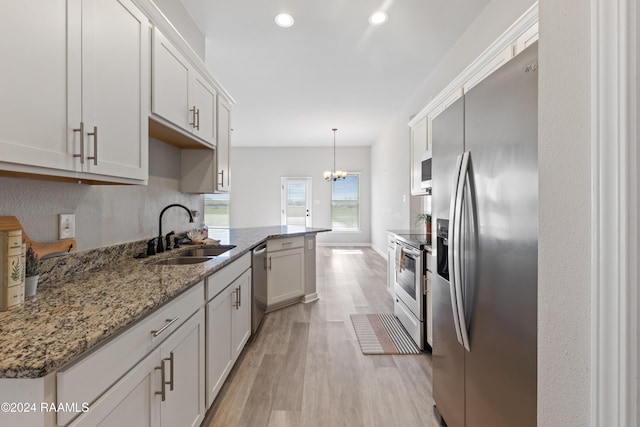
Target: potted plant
pixel 424 217
pixel 31 272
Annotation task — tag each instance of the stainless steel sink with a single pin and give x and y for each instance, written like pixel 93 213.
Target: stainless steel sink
pixel 211 251
pixel 181 261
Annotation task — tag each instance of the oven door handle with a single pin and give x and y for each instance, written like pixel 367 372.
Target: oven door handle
pixel 409 251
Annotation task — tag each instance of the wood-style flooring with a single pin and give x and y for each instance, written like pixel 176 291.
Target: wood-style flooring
pixel 305 367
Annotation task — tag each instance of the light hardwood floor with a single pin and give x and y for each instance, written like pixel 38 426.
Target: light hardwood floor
pixel 305 368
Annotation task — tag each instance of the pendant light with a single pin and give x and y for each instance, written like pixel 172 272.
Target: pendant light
pixel 334 175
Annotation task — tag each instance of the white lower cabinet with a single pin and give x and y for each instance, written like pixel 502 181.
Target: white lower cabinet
pixel 129 401
pixel 285 270
pixel 228 328
pixel 152 373
pixel 182 366
pixel 166 388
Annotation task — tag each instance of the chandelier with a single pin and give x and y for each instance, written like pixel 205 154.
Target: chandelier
pixel 334 175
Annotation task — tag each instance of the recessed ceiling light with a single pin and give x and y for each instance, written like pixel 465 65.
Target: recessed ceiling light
pixel 284 20
pixel 378 17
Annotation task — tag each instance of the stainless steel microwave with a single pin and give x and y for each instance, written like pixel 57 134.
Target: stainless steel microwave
pixel 425 184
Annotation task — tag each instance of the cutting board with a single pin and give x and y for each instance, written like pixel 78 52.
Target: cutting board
pixel 41 249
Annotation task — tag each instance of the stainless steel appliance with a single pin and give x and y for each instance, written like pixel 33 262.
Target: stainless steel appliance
pixel 485 186
pixel 259 285
pixel 409 287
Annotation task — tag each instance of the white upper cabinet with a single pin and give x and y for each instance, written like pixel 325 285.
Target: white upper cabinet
pixel 418 150
pixel 77 67
pixel 180 94
pixel 33 87
pixel 115 79
pixel 224 146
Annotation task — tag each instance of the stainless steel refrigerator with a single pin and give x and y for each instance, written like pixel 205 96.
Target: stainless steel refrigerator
pixel 485 204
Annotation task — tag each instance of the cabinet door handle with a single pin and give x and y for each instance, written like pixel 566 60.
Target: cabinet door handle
pixel 81 155
pixel 236 304
pixel 222 180
pixel 240 296
pixel 164 328
pixel 269 263
pixel 163 391
pixel 198 119
pixel 193 123
pixel 170 359
pixel 95 145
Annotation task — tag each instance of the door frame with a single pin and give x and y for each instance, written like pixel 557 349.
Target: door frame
pixel 283 197
pixel 614 213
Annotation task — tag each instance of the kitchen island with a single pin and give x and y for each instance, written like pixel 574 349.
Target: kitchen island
pixel 89 299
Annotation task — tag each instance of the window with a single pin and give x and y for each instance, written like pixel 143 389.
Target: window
pixel 216 210
pixel 345 203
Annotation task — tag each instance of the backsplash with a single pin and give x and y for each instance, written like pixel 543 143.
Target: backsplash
pixel 62 267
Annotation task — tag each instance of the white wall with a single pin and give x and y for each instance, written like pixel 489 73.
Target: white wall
pixel 255 183
pixel 186 26
pixel 105 214
pixel 564 260
pixel 392 207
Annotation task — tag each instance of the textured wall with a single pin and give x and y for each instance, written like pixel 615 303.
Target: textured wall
pixel 105 215
pixel 564 306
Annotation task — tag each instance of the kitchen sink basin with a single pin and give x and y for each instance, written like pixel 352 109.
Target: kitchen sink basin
pixel 211 251
pixel 181 261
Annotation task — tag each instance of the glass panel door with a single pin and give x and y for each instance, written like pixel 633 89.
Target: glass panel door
pixel 296 201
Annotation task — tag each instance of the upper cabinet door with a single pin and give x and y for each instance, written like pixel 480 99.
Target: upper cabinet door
pixel 418 150
pixel 170 84
pixel 115 82
pixel 203 97
pixel 33 87
pixel 224 146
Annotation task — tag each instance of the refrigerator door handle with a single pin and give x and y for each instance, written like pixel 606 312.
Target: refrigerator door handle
pixel 451 253
pixel 458 259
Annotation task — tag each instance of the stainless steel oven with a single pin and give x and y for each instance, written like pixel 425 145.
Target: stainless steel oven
pixel 409 288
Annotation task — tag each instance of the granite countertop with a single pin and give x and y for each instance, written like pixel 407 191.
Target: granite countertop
pixel 86 305
pixel 417 238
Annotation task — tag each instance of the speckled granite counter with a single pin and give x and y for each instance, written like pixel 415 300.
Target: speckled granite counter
pixel 87 298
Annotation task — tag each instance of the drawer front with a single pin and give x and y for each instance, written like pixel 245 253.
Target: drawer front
pixel 223 278
pixel 91 376
pixel 285 243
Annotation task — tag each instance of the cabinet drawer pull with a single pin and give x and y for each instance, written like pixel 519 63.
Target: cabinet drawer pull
pixel 95 146
pixel 81 155
pixel 169 323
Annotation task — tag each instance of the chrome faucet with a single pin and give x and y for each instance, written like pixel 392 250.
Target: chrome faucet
pixel 160 247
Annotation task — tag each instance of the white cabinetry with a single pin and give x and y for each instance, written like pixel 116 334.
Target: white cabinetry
pixel 182 365
pixel 136 360
pixel 224 146
pixel 180 94
pixel 86 116
pixel 285 271
pixel 419 148
pixel 228 321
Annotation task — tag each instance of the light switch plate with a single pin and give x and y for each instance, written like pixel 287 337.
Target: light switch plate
pixel 67 226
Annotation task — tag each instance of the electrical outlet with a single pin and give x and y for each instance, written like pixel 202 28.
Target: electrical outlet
pixel 67 226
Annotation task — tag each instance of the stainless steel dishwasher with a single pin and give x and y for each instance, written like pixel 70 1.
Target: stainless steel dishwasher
pixel 259 285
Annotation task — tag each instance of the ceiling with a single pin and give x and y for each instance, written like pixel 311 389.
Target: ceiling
pixel 330 69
